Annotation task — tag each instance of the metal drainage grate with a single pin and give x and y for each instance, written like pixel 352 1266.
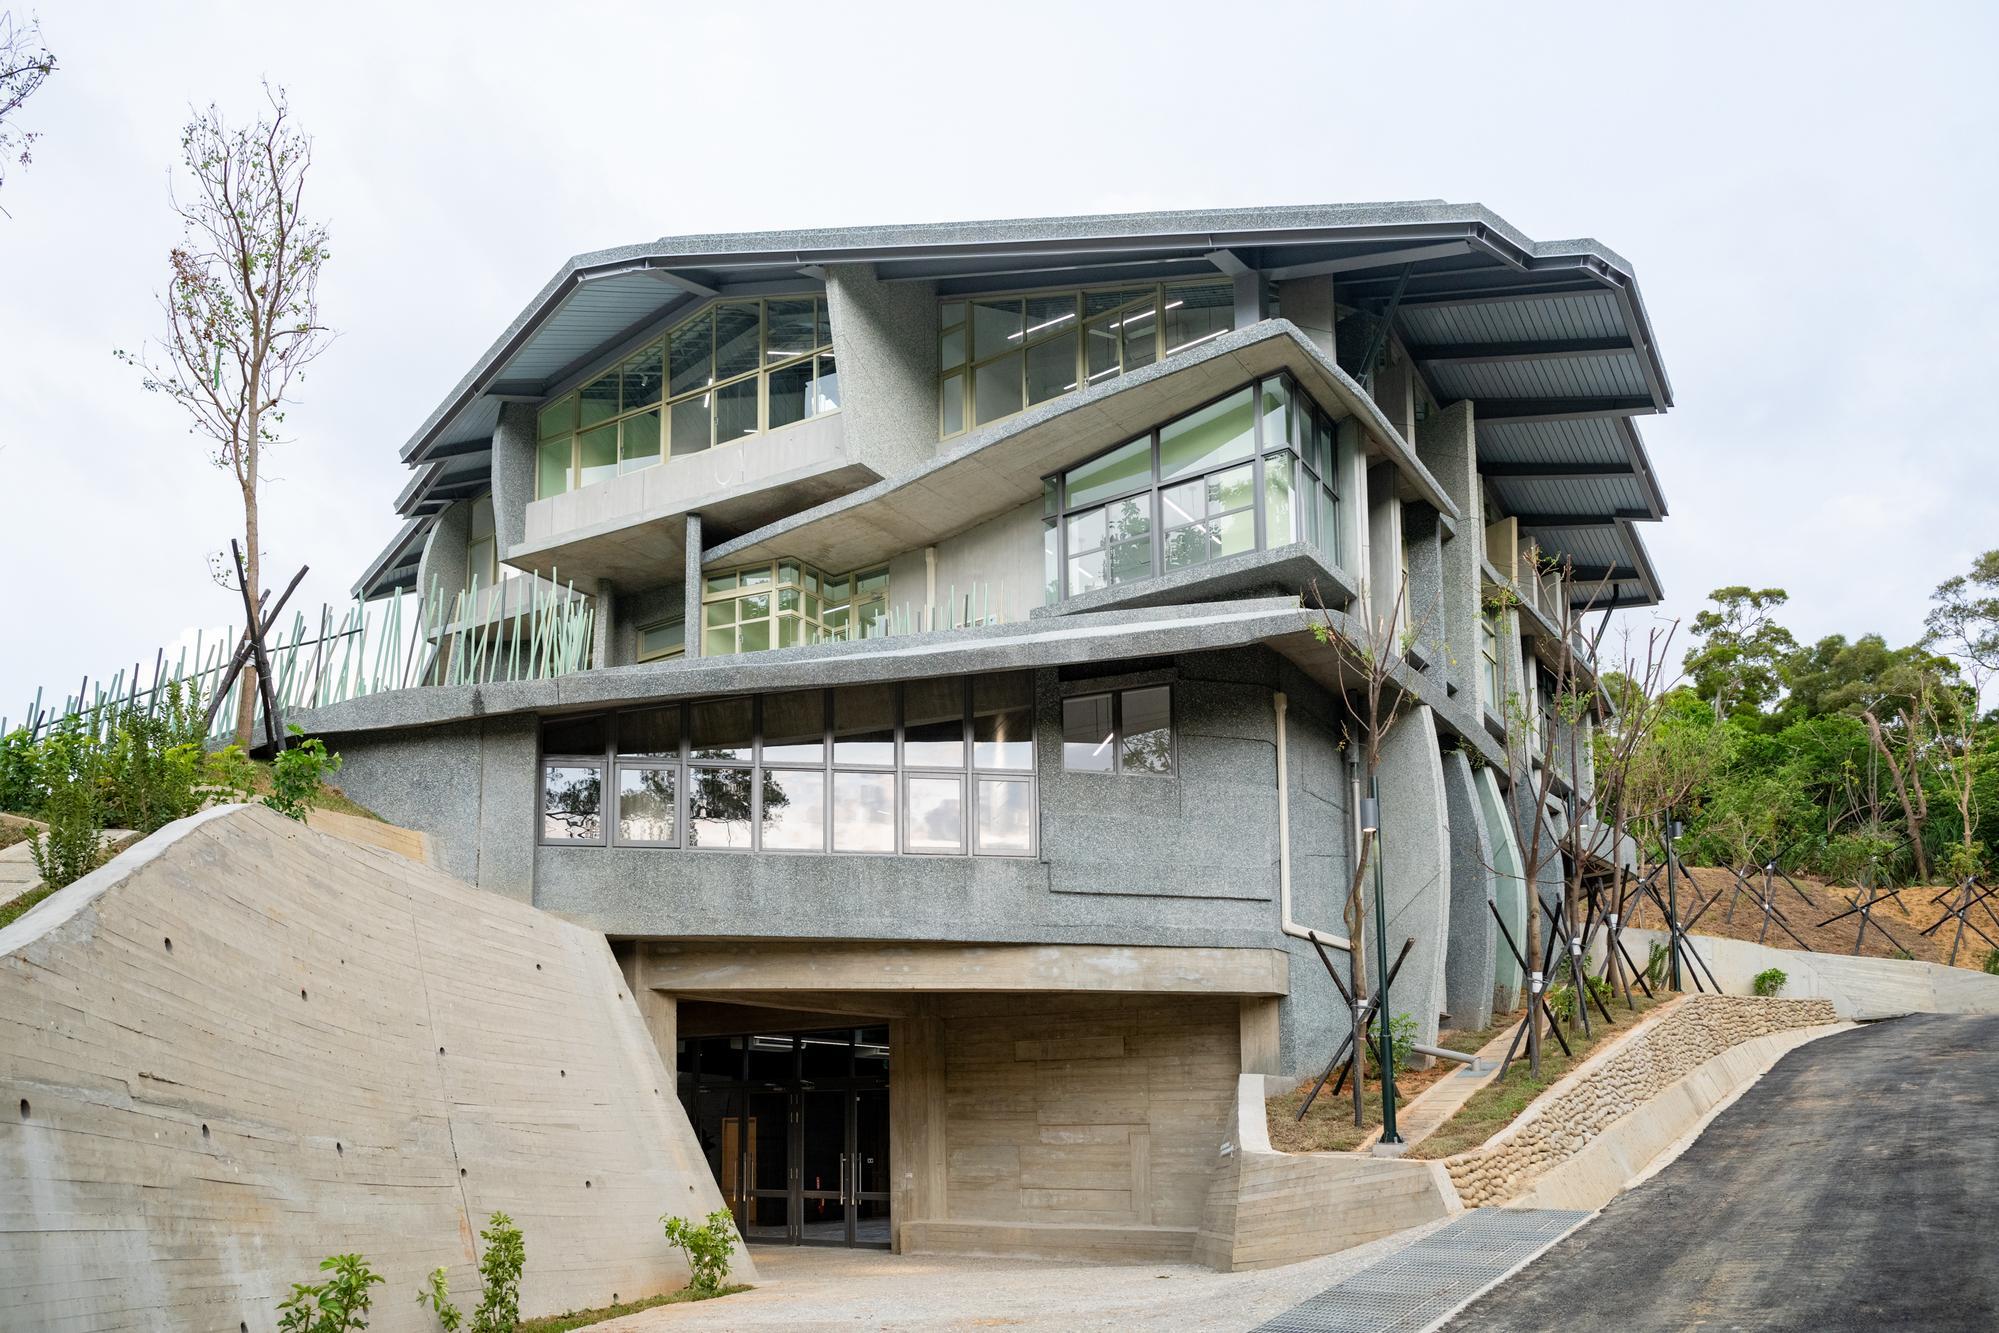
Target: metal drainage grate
pixel 1424 1282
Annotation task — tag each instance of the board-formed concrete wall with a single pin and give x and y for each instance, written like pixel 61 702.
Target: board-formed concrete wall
pixel 1864 989
pixel 244 1045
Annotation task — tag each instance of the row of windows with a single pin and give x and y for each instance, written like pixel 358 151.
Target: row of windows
pixel 999 354
pixel 784 604
pixel 928 767
pixel 1257 468
pixel 735 369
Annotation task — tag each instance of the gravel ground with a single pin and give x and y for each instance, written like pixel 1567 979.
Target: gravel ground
pixel 1848 1191
pixel 805 1288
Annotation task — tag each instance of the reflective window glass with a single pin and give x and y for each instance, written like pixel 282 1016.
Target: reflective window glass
pixel 641 378
pixel 933 727
pixel 689 355
pixel 795 727
pixel 646 807
pixel 864 725
pixel 863 812
pixel 718 807
pixel 735 411
pixel 951 395
pixel 722 729
pixel 1197 312
pixel 790 329
pixel 558 418
pixel 1146 745
pixel 794 810
pixel 1210 437
pixel 689 423
pixel 1087 736
pixel 1003 721
pixel 736 336
pixel 790 394
pixel 1005 815
pixel 996 388
pixel 572 803
pixel 653 733
pixel 574 735
pixel 597 455
pixel 638 442
pixel 552 463
pixel 1280 509
pixel 1123 469
pixel 826 385
pixel 599 400
pixel 996 327
pixel 936 814
pixel 1051 368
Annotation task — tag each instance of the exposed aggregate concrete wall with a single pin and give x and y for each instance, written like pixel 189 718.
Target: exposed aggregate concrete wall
pixel 244 1045
pixel 1616 1082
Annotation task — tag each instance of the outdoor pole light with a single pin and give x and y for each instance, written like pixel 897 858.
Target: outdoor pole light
pixel 1370 822
pixel 1673 830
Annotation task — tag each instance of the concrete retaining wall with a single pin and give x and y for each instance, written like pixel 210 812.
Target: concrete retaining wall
pixel 243 1045
pixel 1613 1083
pixel 1859 988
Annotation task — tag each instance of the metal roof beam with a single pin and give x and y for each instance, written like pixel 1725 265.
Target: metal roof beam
pixel 1377 259
pixel 1604 574
pixel 1227 261
pixel 1562 409
pixel 1555 471
pixel 1554 349
pixel 1609 520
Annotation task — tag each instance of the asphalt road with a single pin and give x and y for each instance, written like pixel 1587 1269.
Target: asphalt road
pixel 1855 1187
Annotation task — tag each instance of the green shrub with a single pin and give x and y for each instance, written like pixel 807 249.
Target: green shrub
pixel 1562 1002
pixel 1655 964
pixel 337 1305
pixel 1991 963
pixel 20 784
pixel 500 1264
pixel 1769 981
pixel 437 1295
pixel 708 1247
pixel 1401 1036
pixel 296 775
pixel 74 844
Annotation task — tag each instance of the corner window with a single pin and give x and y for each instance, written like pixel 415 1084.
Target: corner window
pixel 785 604
pixel 1127 731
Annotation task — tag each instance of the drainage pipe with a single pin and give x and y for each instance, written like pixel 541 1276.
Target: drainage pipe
pixel 1280 703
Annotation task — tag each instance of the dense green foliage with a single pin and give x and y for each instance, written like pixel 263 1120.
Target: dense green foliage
pixel 1769 981
pixel 500 1266
pixel 708 1247
pixel 1401 1036
pixel 337 1305
pixel 1845 757
pixel 297 773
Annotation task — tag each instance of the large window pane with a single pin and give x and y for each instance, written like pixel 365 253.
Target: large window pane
pixel 1216 434
pixel 790 394
pixel 735 411
pixel 1005 815
pixel 647 811
pixel 790 331
pixel 1147 744
pixel 558 418
pixel 574 735
pixel 638 442
pixel 1049 315
pixel 1126 468
pixel 1280 509
pixel 572 803
pixel 718 807
pixel 996 327
pixel 689 355
pixel 642 377
pixel 826 386
pixel 653 733
pixel 1101 340
pixel 1086 734
pixel 794 810
pixel 1003 721
pixel 1198 312
pixel 996 388
pixel 864 725
pixel 1234 533
pixel 864 812
pixel 552 467
pixel 597 455
pixel 936 814
pixel 599 399
pixel 795 727
pixel 951 395
pixel 1051 368
pixel 722 729
pixel 735 339
pixel 951 349
pixel 690 421
pixel 1140 331
pixel 933 734
pixel 1276 405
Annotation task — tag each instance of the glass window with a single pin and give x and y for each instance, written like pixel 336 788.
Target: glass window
pixel 790 329
pixel 651 733
pixel 642 378
pixel 996 327
pixel 689 355
pixel 574 735
pixel 794 810
pixel 1005 815
pixel 718 807
pixel 1051 368
pixel 689 422
pixel 736 336
pixel 1280 509
pixel 723 729
pixel 638 442
pixel 558 418
pixel 572 802
pixel 951 396
pixel 951 349
pixel 662 638
pixel 1139 331
pixel 1145 742
pixel 1210 437
pixel 735 411
pixel 996 388
pixel 599 400
pixel 863 812
pixel 790 394
pixel 1003 721
pixel 795 727
pixel 933 728
pixel 1087 735
pixel 826 385
pixel 552 463
pixel 1124 469
pixel 936 813
pixel 864 725
pixel 1196 312
pixel 596 455
pixel 647 810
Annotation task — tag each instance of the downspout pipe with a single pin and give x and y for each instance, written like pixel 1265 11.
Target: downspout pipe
pixel 1280 703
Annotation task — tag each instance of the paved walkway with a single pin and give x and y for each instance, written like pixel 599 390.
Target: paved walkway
pixel 1849 1189
pixel 1447 1096
pixel 805 1288
pixel 17 865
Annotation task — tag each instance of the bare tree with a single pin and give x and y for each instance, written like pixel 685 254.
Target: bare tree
pixel 25 64
pixel 242 306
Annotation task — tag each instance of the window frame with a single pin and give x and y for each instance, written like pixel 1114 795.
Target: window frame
pixel 1116 695
pixel 639 632
pixel 969 773
pixel 663 342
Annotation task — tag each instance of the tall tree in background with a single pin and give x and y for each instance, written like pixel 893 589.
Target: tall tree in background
pixel 242 306
pixel 1964 624
pixel 25 64
pixel 1739 649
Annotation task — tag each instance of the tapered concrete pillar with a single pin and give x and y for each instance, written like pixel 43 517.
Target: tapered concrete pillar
pixel 1468 965
pixel 1415 846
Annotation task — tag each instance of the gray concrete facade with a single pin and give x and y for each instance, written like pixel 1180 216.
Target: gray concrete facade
pixel 1469 962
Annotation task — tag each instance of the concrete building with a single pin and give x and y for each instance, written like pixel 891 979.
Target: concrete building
pixel 966 765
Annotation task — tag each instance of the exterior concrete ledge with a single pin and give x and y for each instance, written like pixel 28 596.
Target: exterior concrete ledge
pixel 1859 988
pixel 1068 1241
pixel 1628 1150
pixel 1294 568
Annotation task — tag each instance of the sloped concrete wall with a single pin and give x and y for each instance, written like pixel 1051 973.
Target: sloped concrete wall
pixel 1859 988
pixel 1416 855
pixel 1468 975
pixel 244 1045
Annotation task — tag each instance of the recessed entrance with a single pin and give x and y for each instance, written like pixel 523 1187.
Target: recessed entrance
pixel 795 1128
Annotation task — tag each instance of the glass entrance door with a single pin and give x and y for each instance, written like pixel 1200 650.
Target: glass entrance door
pixel 796 1129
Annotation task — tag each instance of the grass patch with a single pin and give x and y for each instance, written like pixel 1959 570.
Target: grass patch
pixel 14 911
pixel 330 797
pixel 562 1323
pixel 13 833
pixel 1329 1126
pixel 1497 1104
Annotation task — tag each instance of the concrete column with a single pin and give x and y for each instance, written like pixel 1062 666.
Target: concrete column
pixel 443 558
pixel 1468 963
pixel 1423 549
pixel 1384 546
pixel 513 473
pixel 1416 859
pixel 691 630
pixel 1308 303
pixel 602 631
pixel 1252 303
pixel 885 341
pixel 1449 449
pixel 1509 891
pixel 916 1118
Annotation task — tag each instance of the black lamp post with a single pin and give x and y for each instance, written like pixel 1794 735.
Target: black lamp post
pixel 1673 830
pixel 1370 822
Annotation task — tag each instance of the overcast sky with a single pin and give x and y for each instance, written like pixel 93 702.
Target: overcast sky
pixel 1806 192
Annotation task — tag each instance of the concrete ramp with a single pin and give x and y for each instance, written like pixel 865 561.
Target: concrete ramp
pixel 244 1045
